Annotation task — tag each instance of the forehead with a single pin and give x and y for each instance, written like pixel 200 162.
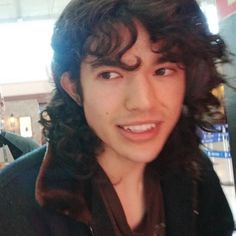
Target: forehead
pixel 109 37
pixel 113 45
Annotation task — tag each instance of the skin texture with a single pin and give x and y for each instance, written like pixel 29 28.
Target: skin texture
pixel 121 106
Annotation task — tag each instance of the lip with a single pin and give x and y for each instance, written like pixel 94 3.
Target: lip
pixel 140 136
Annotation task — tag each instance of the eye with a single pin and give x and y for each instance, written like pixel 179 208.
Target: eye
pixel 107 75
pixel 163 71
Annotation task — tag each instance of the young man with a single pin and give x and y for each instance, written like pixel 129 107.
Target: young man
pixel 133 82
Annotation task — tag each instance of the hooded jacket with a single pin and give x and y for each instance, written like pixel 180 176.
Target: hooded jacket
pixel 40 196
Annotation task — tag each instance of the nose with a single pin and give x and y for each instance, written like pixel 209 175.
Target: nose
pixel 140 94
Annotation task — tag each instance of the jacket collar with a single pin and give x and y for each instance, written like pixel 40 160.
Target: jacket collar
pixel 58 187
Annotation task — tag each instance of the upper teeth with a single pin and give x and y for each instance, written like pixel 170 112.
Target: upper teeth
pixel 139 128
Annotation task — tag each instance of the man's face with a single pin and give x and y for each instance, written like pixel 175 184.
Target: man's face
pixel 133 112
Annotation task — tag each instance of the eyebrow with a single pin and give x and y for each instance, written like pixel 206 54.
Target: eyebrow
pixel 108 61
pixel 114 63
pixel 103 62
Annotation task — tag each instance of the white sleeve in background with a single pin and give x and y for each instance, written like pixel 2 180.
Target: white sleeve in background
pixel 5 154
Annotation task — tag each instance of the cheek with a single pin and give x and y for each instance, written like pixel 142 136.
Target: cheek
pixel 173 95
pixel 98 119
pixel 101 103
pixel 177 105
pixel 96 112
pixel 174 99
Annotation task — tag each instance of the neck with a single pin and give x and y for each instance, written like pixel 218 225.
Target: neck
pixel 127 178
pixel 122 171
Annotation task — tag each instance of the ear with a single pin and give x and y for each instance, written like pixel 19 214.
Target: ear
pixel 69 87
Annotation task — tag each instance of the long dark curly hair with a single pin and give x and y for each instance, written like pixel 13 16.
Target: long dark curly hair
pixel 88 27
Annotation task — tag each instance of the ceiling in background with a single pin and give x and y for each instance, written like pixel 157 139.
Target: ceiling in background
pixel 13 10
pixel 17 41
pixel 207 1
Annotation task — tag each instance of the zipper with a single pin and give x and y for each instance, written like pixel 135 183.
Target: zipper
pixel 91 230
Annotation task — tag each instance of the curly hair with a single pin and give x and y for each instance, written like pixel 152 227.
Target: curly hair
pixel 89 27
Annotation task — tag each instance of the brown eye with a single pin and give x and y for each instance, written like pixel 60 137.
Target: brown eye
pixel 164 71
pixel 107 75
pixel 160 71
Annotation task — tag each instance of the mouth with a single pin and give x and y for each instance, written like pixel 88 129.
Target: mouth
pixel 139 128
pixel 140 132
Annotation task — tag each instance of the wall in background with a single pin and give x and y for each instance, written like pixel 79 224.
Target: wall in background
pixel 24 108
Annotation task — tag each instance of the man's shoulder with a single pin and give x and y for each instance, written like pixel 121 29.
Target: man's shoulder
pixel 22 171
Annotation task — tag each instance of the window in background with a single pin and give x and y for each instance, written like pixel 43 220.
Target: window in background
pixel 211 14
pixel 25 51
pixel 25 126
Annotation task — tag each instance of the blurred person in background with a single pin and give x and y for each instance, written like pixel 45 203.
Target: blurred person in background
pixel 17 144
pixel 133 82
pixel 12 145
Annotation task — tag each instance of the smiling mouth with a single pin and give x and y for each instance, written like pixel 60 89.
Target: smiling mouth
pixel 139 128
